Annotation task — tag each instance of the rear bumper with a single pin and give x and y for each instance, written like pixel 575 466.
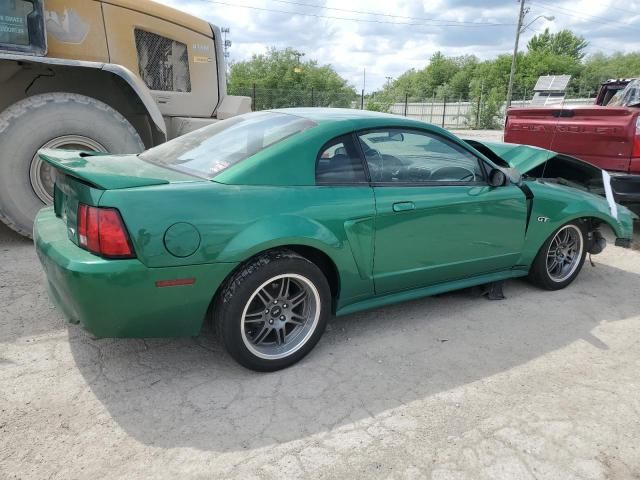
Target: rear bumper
pixel 119 298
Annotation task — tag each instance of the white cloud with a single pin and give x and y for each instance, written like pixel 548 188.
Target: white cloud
pixel 387 49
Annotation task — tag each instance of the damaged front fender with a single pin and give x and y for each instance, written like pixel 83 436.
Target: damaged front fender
pixel 562 188
pixel 555 205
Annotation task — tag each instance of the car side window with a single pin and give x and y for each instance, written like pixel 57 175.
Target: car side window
pixel 410 156
pixel 339 162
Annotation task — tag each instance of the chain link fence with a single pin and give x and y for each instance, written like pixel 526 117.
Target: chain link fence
pixel 460 113
pixel 486 111
pixel 268 98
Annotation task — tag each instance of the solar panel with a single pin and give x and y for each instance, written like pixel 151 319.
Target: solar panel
pixel 552 83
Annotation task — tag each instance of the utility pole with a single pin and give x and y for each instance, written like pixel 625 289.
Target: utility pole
pixel 364 79
pixel 521 15
pixel 388 81
pixel 226 44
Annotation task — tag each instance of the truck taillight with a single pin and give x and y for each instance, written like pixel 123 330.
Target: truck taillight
pixel 636 140
pixel 101 231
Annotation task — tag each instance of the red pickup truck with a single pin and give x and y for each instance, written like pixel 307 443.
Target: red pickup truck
pixel 606 134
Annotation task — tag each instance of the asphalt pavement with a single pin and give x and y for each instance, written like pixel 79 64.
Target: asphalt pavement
pixel 541 385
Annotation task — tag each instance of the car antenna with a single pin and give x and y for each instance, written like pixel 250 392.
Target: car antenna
pixel 553 139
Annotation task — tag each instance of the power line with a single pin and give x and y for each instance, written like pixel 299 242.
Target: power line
pixel 587 18
pixel 368 12
pixel 424 24
pixel 606 50
pixel 574 12
pixel 623 10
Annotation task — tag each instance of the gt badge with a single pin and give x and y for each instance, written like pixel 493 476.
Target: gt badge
pixel 543 219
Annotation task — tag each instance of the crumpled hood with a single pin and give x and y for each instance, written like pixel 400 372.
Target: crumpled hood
pixel 521 157
pixel 563 170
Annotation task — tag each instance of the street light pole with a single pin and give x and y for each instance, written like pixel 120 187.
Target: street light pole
pixel 515 53
pixel 297 68
pixel 520 29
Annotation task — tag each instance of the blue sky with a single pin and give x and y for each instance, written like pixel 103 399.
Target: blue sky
pixel 388 37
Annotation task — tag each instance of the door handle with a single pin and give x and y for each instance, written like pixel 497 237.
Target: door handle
pixel 403 206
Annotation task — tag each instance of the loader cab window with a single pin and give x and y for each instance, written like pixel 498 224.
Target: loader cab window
pixel 163 63
pixel 22 27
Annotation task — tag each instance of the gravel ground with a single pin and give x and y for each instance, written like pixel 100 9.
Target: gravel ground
pixel 538 386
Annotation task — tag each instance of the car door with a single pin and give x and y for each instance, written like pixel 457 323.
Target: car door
pixel 344 203
pixel 437 219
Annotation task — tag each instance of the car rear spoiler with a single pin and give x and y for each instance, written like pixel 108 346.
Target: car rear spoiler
pixel 102 170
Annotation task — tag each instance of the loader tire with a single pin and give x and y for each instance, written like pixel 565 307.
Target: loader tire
pixel 51 120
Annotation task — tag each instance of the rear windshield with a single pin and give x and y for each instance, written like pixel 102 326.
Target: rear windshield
pixel 210 150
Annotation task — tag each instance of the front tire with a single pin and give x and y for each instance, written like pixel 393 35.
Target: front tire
pixel 273 310
pixel 561 258
pixel 51 120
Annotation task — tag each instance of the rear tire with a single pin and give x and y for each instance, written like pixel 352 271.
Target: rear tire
pixel 273 310
pixel 561 257
pixel 55 119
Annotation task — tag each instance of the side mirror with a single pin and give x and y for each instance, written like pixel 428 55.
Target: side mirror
pixel 497 178
pixel 513 174
pixel 396 137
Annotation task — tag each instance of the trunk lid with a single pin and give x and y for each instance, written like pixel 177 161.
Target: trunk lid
pixel 111 172
pixel 82 177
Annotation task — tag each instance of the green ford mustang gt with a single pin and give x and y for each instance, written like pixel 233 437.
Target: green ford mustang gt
pixel 270 222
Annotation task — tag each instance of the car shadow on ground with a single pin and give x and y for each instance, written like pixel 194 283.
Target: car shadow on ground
pixel 189 393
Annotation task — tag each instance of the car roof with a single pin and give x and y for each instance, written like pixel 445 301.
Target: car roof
pixel 324 115
pixel 293 160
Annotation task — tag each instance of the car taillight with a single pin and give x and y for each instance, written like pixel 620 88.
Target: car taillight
pixel 636 140
pixel 101 231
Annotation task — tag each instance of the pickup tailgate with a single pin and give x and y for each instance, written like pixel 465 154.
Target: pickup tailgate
pixel 531 126
pixel 602 136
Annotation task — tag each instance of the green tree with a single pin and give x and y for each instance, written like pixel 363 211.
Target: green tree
pixel 405 84
pixel 564 42
pixel 454 72
pixel 600 67
pixel 538 63
pixel 281 79
pixel 378 103
pixel 486 105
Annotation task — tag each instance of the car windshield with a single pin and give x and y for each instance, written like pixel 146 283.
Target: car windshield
pixel 210 150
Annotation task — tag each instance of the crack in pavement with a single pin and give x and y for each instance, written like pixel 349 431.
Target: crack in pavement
pixel 521 389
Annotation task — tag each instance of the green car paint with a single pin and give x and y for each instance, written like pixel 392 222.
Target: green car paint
pixel 120 298
pixel 555 205
pixel 453 232
pixel 107 171
pixel 385 243
pixel 523 158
